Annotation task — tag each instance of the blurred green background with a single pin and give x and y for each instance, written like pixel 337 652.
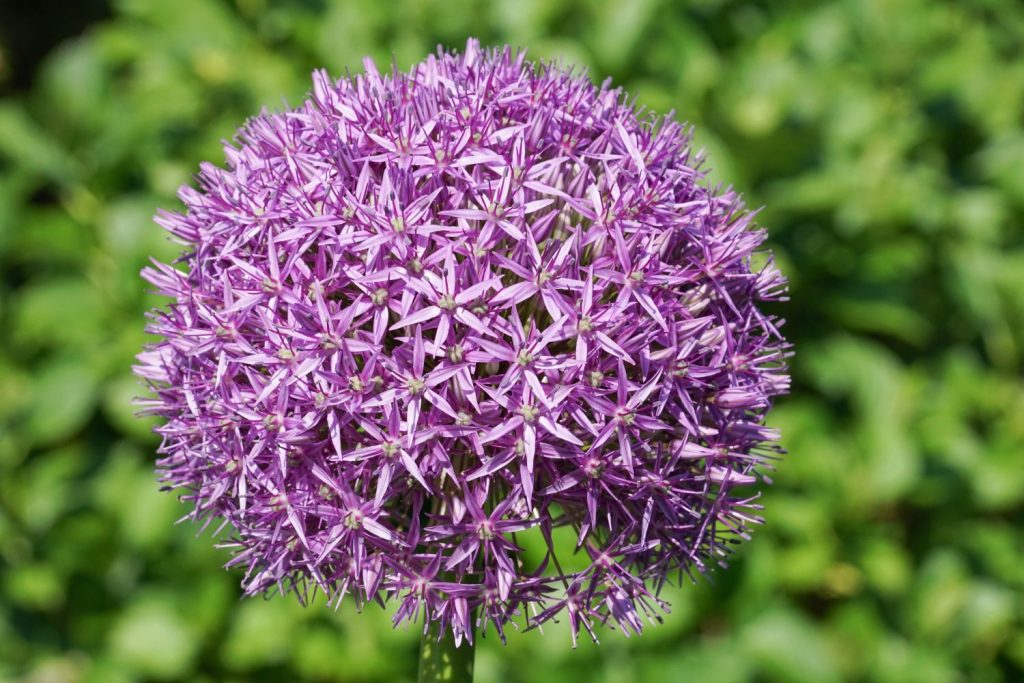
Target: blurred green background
pixel 885 139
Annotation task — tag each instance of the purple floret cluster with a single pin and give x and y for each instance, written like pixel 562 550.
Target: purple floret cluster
pixel 479 339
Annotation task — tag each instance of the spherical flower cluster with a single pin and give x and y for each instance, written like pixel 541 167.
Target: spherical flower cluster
pixel 479 339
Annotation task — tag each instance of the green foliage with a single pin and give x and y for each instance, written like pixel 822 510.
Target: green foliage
pixel 885 140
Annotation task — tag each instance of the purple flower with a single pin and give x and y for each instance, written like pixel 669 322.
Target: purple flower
pixel 424 319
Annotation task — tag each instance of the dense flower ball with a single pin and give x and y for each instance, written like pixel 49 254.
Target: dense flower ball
pixel 478 338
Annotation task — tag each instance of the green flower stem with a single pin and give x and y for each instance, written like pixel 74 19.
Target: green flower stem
pixel 441 661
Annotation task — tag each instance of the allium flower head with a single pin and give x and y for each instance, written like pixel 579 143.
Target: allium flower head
pixel 427 322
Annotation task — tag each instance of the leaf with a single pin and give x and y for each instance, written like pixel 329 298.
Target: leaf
pixel 153 639
pixel 261 634
pixel 25 144
pixel 63 399
pixel 66 311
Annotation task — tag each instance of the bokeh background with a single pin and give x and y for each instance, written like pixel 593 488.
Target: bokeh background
pixel 885 139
